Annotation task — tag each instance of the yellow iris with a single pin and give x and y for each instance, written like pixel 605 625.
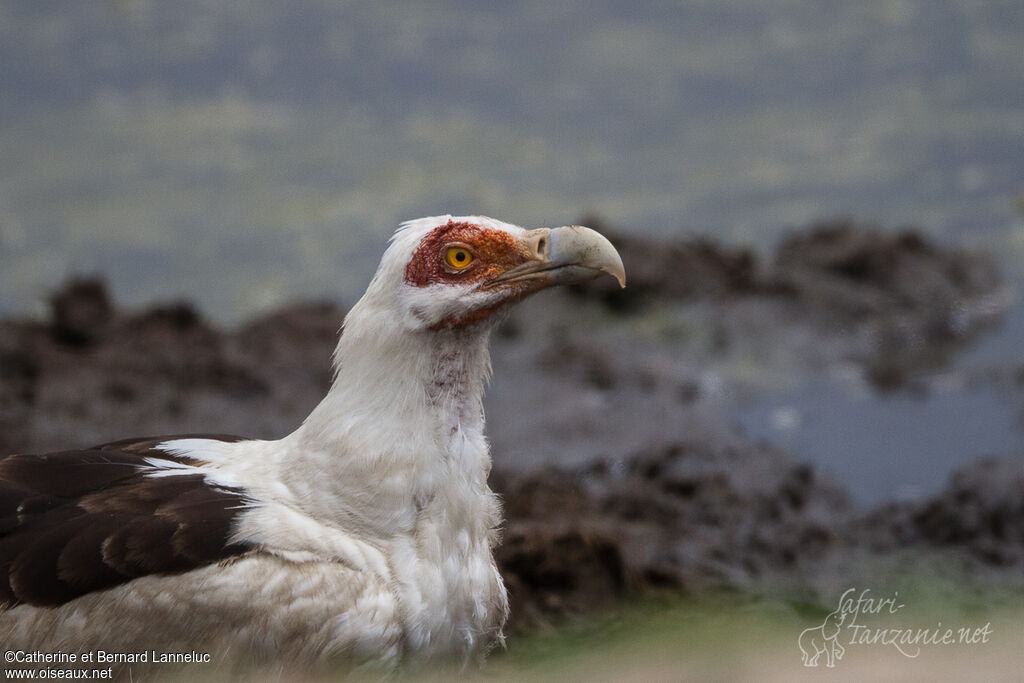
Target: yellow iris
pixel 458 257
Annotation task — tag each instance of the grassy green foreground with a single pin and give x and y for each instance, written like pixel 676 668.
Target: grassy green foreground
pixel 742 637
pixel 737 640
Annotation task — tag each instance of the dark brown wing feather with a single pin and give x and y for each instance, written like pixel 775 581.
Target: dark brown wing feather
pixel 79 521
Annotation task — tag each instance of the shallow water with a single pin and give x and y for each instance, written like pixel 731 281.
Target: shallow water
pixel 902 445
pixel 890 447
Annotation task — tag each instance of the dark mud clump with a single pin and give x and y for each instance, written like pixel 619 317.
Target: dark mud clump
pixel 848 271
pixel 981 512
pixel 687 516
pixel 903 302
pixel 92 371
pixel 81 311
pixel 918 302
pixel 681 269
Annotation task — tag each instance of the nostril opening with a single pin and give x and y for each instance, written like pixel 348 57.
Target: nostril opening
pixel 542 245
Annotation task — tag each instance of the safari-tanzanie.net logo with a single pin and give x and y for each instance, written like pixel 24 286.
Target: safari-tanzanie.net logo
pixel 861 619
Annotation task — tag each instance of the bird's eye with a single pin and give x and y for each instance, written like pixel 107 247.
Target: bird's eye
pixel 458 258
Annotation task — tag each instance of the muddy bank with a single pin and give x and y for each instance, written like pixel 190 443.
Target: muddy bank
pixel 689 516
pixel 618 467
pixel 980 513
pixel 693 519
pixel 94 370
pixel 892 301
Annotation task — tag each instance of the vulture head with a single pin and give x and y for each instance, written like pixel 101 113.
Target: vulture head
pixel 450 272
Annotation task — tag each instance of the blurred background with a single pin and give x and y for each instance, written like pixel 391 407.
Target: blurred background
pixel 244 154
pixel 821 208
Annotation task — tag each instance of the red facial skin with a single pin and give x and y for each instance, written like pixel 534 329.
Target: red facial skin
pixel 494 251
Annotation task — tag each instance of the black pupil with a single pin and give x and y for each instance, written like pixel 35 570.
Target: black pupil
pixel 460 256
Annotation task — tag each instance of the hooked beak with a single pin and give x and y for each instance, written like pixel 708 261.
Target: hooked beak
pixel 562 256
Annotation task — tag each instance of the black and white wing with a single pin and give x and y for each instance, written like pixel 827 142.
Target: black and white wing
pixel 79 521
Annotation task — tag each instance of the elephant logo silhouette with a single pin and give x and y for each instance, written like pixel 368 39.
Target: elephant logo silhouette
pixel 823 640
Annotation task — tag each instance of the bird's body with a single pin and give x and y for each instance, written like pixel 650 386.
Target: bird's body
pixel 365 535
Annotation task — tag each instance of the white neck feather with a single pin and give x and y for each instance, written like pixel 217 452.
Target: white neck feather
pixel 404 415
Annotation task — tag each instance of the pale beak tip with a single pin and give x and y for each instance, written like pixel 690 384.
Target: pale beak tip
pixel 589 250
pixel 604 257
pixel 616 271
pixel 619 273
